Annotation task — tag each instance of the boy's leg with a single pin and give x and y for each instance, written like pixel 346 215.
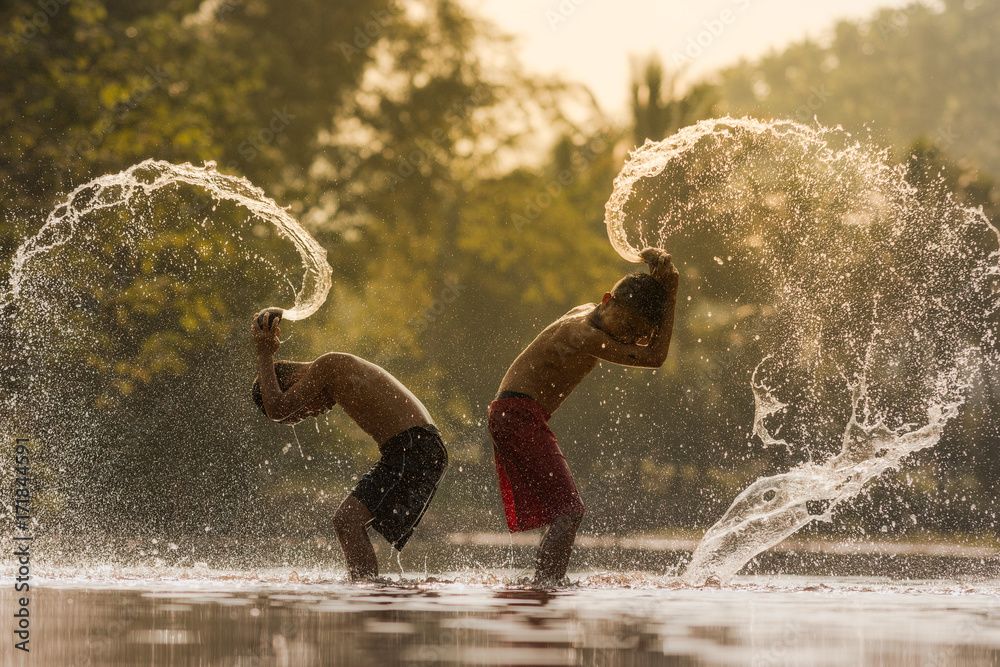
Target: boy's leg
pixel 554 551
pixel 349 522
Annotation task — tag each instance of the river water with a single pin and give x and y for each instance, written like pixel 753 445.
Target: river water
pixel 484 617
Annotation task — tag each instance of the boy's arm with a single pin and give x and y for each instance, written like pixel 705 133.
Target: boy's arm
pixel 662 268
pixel 278 404
pixel 601 345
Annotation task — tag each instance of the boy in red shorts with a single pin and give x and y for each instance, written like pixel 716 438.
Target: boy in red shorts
pixel 632 327
pixel 394 495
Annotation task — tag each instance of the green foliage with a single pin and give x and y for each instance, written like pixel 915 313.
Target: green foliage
pixel 658 110
pixel 908 72
pixel 409 141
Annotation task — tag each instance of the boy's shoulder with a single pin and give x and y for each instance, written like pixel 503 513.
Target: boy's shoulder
pixel 574 326
pixel 338 363
pixel 578 314
pixel 345 364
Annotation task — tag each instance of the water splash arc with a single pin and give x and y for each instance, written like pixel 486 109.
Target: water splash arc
pixel 882 297
pixel 151 175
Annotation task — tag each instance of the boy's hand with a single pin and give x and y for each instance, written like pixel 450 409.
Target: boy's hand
pixel 275 315
pixel 661 267
pixel 264 328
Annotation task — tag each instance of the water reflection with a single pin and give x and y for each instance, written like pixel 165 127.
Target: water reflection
pixel 655 622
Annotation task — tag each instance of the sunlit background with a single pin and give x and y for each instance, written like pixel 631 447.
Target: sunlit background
pixel 454 159
pixel 596 43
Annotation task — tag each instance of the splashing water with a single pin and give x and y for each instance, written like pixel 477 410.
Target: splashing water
pixel 116 190
pixel 881 299
pixel 125 360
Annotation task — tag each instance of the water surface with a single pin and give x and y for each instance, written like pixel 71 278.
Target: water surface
pixel 486 618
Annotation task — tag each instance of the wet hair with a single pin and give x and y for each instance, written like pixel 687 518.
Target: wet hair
pixel 284 371
pixel 642 295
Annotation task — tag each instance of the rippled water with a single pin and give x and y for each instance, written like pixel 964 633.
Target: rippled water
pixel 483 618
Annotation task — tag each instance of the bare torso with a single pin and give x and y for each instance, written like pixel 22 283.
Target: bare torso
pixel 379 403
pixel 370 395
pixel 551 367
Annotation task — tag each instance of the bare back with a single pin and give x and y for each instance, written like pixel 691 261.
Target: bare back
pixel 370 395
pixel 553 364
pixel 379 403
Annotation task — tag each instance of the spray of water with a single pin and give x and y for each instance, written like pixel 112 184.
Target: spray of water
pixel 882 293
pixel 125 359
pixel 117 190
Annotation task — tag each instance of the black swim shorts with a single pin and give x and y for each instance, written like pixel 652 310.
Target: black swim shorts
pixel 400 486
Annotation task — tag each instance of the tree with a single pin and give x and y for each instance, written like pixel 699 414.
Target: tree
pixel 658 110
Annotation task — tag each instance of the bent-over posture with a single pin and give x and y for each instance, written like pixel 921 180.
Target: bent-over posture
pixel 394 495
pixel 632 327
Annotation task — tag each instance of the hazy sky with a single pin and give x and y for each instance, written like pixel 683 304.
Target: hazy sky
pixel 592 40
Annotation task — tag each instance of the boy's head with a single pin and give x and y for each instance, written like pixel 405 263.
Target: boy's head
pixel 633 308
pixel 288 373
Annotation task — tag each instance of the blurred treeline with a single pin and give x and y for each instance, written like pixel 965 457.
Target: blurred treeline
pixel 461 201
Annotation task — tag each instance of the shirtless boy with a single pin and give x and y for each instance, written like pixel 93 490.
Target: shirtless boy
pixel 632 327
pixel 394 495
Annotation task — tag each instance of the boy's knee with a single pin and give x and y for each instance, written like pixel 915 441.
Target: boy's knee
pixel 347 517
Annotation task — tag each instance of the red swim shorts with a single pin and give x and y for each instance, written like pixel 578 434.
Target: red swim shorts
pixel 536 485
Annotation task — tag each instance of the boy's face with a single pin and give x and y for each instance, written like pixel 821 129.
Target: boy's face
pixel 623 325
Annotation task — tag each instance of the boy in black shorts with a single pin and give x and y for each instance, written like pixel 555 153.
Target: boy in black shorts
pixel 394 495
